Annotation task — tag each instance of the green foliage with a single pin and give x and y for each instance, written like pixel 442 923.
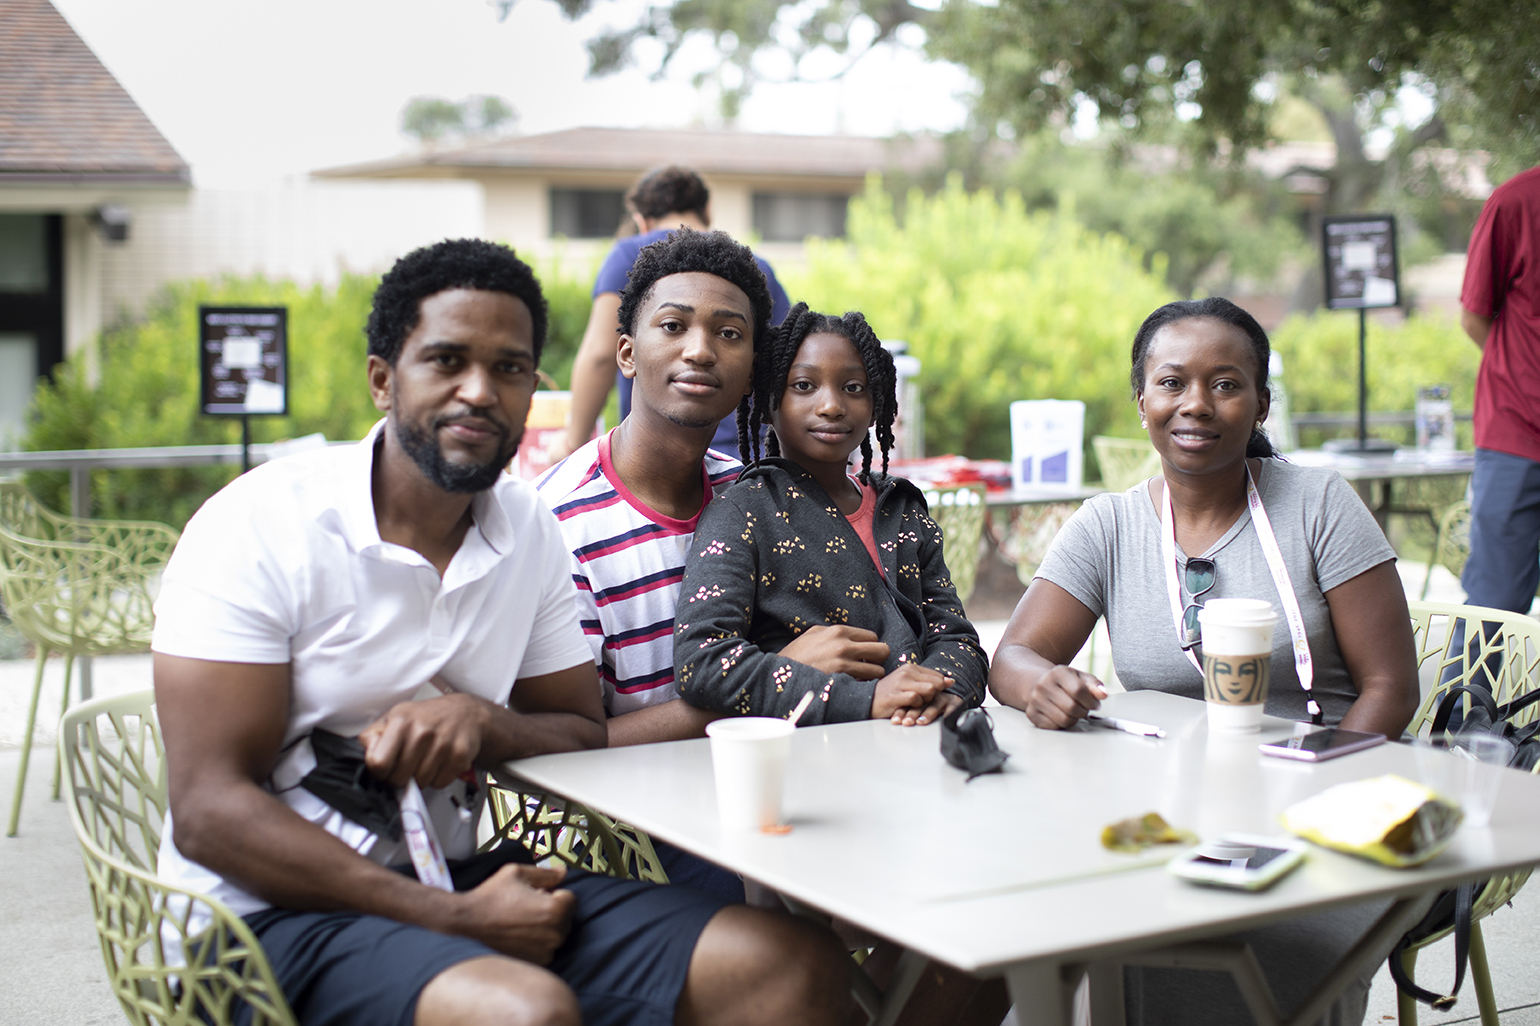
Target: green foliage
pixel 998 302
pixel 1212 228
pixel 1320 364
pixel 147 390
pixel 1141 62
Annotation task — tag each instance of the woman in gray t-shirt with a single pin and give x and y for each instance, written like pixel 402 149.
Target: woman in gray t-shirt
pixel 1200 377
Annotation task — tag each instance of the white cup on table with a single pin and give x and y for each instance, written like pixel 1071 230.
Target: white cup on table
pixel 1237 662
pixel 748 759
pixel 1465 768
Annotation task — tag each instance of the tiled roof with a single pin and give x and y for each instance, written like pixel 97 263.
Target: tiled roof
pixel 62 114
pixel 711 151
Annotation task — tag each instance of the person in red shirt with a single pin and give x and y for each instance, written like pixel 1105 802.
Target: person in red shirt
pixel 1501 313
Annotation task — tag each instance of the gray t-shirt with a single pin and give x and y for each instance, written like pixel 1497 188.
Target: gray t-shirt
pixel 1108 555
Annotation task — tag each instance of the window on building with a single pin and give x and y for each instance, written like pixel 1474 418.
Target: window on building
pixel 587 213
pixel 31 313
pixel 793 216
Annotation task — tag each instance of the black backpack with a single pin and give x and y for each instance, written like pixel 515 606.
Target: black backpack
pixel 1453 907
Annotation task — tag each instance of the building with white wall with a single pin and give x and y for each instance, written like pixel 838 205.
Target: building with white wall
pixel 79 161
pixel 98 211
pixel 562 193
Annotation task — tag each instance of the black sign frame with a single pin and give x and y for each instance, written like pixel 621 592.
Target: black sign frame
pixel 1378 230
pixel 268 326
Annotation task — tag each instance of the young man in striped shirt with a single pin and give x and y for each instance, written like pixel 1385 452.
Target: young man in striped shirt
pixel 692 311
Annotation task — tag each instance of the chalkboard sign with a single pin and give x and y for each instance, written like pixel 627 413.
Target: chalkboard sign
pixel 244 353
pixel 1361 268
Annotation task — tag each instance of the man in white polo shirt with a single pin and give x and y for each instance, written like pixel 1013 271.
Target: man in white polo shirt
pixel 313 602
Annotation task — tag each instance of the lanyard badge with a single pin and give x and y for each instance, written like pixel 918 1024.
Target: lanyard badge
pixel 1304 665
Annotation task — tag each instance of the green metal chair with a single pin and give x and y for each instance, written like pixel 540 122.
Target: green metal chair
pixel 1125 461
pixel 115 788
pixel 1451 545
pixel 572 834
pixel 1027 532
pixel 959 512
pixel 76 588
pixel 1509 659
pixel 1451 542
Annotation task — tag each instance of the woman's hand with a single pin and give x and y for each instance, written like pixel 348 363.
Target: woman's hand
pixel 1061 697
pixel 1029 671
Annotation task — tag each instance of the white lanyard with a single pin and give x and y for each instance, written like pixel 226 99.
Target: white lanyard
pixel 1304 666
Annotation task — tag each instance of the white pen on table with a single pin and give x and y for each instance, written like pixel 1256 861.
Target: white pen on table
pixel 795 715
pixel 1127 726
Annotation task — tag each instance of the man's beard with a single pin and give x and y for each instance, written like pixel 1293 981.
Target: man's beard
pixel 424 449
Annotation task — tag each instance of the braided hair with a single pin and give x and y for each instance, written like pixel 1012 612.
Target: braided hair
pixel 772 367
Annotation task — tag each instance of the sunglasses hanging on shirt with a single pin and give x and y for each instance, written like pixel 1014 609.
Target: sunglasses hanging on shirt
pixel 1199 577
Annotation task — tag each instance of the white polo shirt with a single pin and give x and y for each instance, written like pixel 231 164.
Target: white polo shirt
pixel 286 565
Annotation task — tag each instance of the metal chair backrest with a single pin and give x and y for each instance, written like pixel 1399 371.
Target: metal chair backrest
pixel 115 789
pixel 77 597
pixel 138 541
pixel 79 587
pixel 1453 647
pixel 959 512
pixel 1125 462
pixel 1473 645
pixel 575 835
pixel 22 513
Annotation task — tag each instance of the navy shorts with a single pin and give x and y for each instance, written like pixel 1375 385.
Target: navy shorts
pixel 695 872
pixel 626 956
pixel 1504 564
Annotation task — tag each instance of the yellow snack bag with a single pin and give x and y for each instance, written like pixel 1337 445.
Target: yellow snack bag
pixel 1392 820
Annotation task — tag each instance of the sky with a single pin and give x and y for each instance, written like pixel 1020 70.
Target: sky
pixel 254 92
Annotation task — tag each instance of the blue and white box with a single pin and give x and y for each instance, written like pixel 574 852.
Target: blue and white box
pixel 1047 439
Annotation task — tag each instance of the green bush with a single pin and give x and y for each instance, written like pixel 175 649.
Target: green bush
pixel 1213 227
pixel 998 303
pixel 1320 364
pixel 147 389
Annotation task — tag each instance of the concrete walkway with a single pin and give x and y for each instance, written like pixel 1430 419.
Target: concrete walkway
pixel 53 967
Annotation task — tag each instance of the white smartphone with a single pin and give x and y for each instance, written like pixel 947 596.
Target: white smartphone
pixel 1247 862
pixel 1319 745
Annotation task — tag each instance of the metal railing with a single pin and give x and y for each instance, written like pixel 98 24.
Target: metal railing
pixel 80 463
pixel 1405 417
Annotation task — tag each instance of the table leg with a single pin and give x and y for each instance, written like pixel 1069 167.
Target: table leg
pixel 1381 508
pixel 1240 963
pixel 1041 994
pixel 911 964
pixel 1106 994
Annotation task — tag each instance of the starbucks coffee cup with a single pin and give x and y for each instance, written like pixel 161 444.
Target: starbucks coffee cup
pixel 1237 662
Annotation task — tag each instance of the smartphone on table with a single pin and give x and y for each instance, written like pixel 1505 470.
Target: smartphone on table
pixel 1246 862
pixel 1319 745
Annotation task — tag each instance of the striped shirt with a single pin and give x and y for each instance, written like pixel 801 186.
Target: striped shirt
pixel 627 562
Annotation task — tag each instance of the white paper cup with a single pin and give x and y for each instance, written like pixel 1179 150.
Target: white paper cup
pixel 1465 768
pixel 748 759
pixel 1237 662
